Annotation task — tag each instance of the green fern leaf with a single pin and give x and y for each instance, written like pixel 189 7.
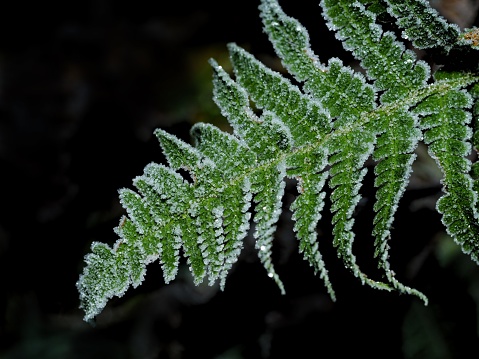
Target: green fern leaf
pixel 320 132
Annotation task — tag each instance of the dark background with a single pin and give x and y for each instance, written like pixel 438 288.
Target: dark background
pixel 82 87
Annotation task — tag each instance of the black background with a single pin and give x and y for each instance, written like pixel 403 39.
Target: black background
pixel 82 87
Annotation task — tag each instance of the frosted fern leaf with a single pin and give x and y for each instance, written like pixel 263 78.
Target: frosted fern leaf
pixel 320 133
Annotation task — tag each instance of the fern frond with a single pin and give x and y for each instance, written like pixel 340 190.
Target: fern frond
pixel 320 132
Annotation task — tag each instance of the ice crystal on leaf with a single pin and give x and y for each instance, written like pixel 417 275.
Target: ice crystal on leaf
pixel 319 133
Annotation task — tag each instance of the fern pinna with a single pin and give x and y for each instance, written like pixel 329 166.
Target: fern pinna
pixel 321 133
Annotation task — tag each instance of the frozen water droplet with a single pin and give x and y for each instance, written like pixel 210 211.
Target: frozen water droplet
pixel 270 275
pixel 263 248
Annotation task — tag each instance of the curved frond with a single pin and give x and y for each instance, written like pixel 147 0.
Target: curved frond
pixel 319 132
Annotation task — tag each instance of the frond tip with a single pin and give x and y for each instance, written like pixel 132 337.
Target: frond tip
pixel 319 132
